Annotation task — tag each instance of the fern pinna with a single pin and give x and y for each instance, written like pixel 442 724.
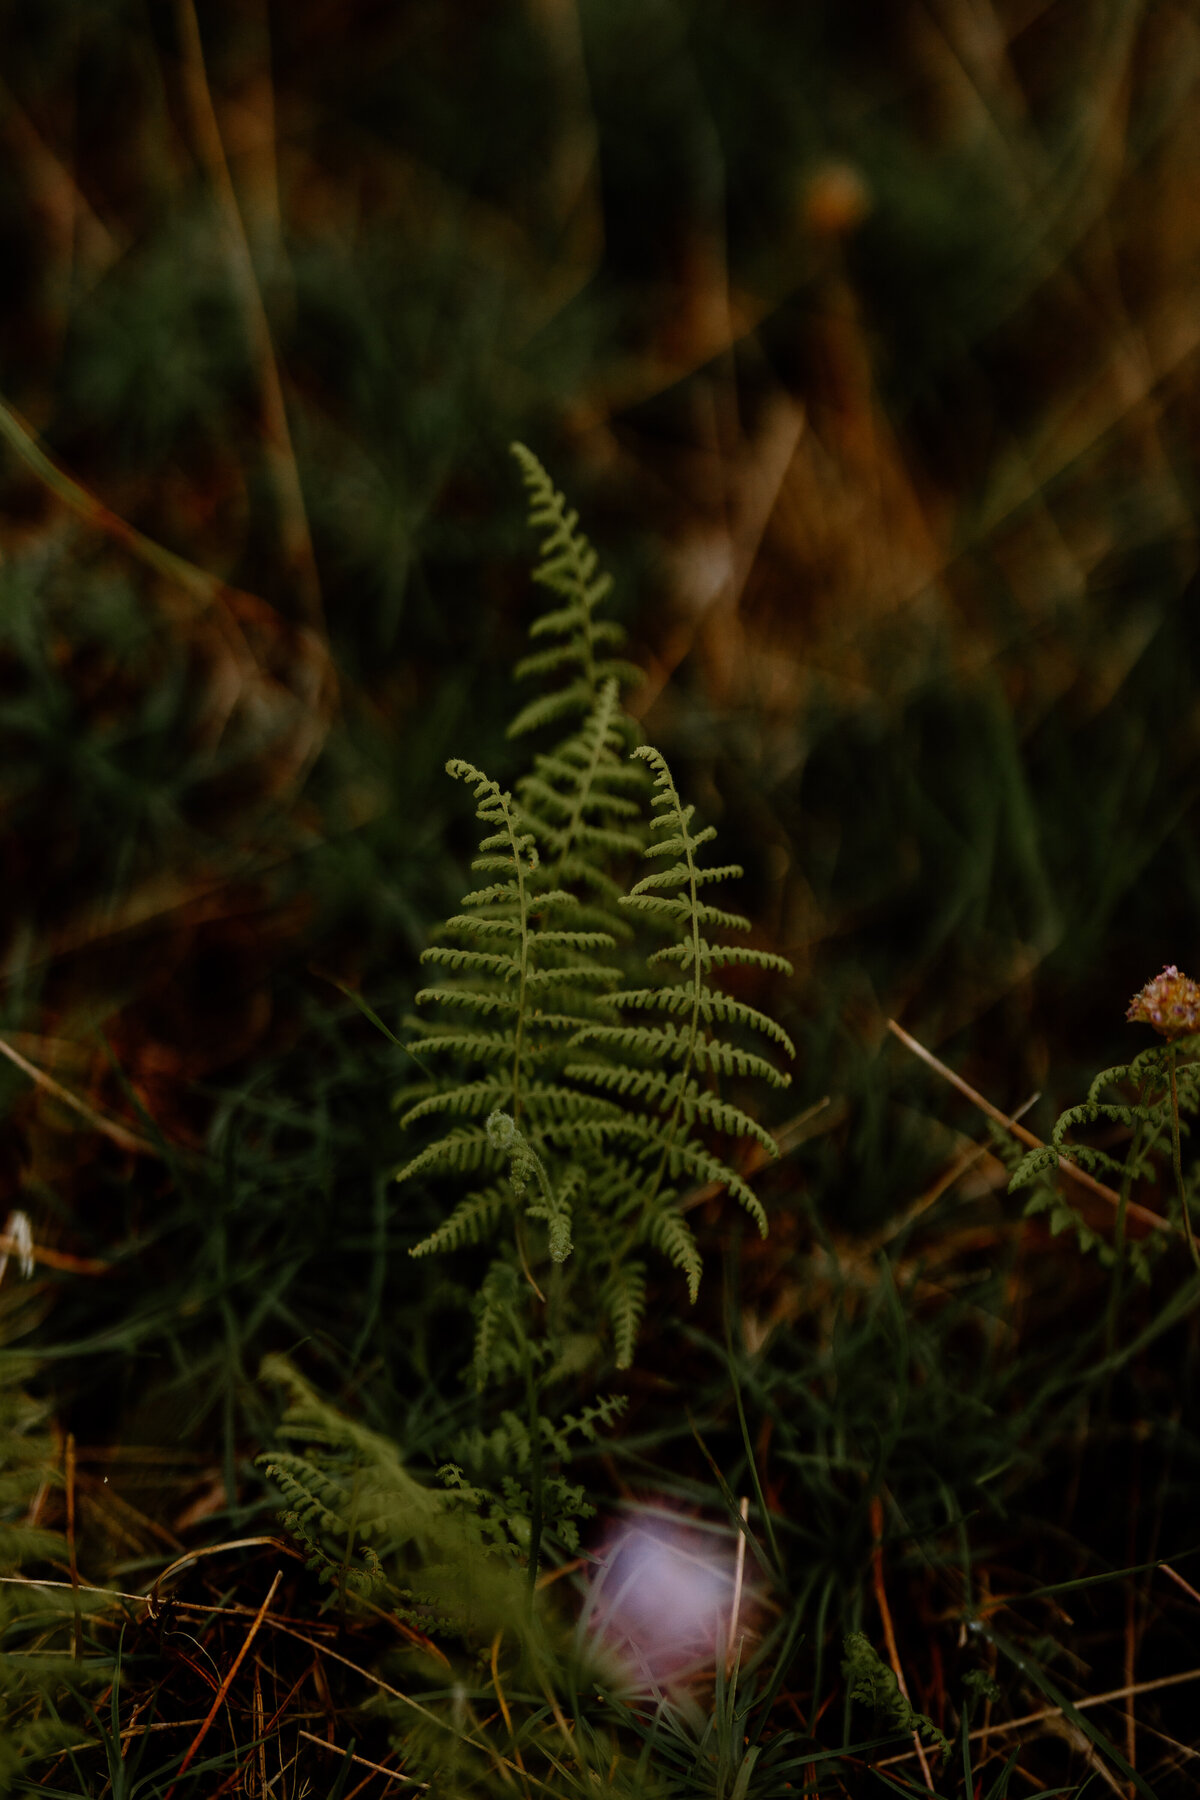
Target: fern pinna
pixel 573 1116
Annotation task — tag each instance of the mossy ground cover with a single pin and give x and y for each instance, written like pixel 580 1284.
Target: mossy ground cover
pixel 862 339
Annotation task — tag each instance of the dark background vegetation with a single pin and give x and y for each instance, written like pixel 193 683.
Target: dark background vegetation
pixel 864 337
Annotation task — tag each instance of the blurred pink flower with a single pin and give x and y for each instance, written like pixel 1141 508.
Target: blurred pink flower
pixel 662 1599
pixel 1171 1003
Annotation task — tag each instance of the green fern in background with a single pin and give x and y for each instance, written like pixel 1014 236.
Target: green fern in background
pixel 37 1666
pixel 441 1551
pixel 1133 1100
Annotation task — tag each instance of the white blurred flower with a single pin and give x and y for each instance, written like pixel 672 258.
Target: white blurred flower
pixel 19 1232
pixel 661 1603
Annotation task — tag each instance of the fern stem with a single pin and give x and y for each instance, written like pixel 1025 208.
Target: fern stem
pixel 1177 1158
pixel 694 1032
pixel 523 903
pixel 535 1467
pixel 587 777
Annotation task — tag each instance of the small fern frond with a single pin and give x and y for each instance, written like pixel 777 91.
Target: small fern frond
pixel 623 1297
pixel 671 1235
pixel 549 709
pixel 602 1414
pixel 526 1169
pixel 494 1305
pixel 307 1493
pixel 1093 1112
pixel 468 1101
pixel 567 567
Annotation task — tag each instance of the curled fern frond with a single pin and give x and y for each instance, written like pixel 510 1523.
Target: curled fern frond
pixel 526 1169
pixel 1035 1163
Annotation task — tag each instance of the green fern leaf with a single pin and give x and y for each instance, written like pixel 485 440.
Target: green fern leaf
pixel 567 567
pixel 473 1221
pixel 462 1151
pixel 671 1235
pixel 624 1299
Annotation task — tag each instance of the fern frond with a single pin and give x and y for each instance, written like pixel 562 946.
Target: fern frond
pixel 490 962
pixel 307 1493
pixel 572 976
pixel 557 1438
pixel 720 956
pixel 707 1004
pixel 468 1101
pixel 548 709
pixel 493 1320
pixel 580 803
pixel 623 1297
pixel 567 567
pixel 474 1219
pixel 1092 1113
pixel 548 1099
pixel 1034 1163
pixel 462 1151
pixel 669 1040
pixel 481 1000
pixel 671 1235
pixel 471 1046
pixel 679 1154
pixel 657 906
pixel 593 1113
pixel 697 1103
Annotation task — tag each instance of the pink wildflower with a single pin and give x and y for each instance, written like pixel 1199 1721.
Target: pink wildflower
pixel 663 1599
pixel 1171 1003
